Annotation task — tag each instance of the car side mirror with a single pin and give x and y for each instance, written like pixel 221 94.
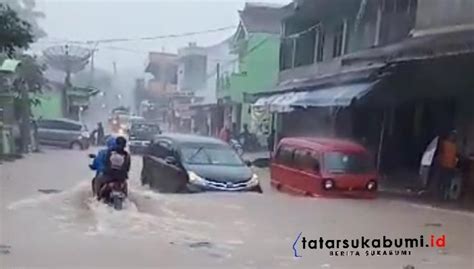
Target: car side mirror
pixel 248 163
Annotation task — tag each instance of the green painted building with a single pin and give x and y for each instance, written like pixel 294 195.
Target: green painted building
pixel 257 44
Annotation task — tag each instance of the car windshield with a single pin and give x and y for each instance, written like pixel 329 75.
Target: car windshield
pixel 337 162
pixel 210 155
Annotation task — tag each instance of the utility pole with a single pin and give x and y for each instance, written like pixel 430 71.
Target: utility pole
pixel 219 105
pixel 92 75
pixel 25 130
pixel 115 68
pixel 218 77
pixel 67 84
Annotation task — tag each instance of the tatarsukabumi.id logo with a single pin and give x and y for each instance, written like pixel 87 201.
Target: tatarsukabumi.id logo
pixel 366 246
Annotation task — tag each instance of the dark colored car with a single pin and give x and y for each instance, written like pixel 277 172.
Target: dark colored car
pixel 140 135
pixel 63 133
pixel 189 163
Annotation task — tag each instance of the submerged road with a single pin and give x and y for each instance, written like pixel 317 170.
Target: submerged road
pixel 48 220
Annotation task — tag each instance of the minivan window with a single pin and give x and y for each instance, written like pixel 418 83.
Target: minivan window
pixel 45 124
pixel 69 126
pixel 306 159
pixel 338 162
pixel 285 155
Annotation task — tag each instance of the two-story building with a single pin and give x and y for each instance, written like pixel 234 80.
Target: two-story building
pixel 220 63
pixel 160 89
pixel 256 44
pixel 392 74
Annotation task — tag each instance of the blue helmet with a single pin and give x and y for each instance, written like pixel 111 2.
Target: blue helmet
pixel 110 142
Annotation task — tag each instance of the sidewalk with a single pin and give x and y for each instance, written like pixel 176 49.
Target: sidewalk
pixel 423 198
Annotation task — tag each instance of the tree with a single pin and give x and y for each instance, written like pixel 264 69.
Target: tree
pixel 26 10
pixel 14 32
pixel 17 33
pixel 29 80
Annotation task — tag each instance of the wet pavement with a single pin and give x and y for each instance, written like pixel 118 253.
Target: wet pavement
pixel 48 219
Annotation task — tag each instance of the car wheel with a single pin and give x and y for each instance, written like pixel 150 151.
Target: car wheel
pixel 76 146
pixel 257 189
pixel 183 189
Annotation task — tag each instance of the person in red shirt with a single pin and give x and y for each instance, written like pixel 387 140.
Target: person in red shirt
pixel 225 134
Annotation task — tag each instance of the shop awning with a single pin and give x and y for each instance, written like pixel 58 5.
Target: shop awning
pixel 337 96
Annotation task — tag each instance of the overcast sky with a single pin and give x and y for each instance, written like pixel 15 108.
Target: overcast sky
pixel 103 19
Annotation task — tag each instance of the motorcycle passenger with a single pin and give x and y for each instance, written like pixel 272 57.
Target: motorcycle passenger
pixel 99 162
pixel 118 162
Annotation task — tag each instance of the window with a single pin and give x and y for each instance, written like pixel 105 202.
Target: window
pixel 285 155
pixel 320 45
pixel 306 159
pixel 389 6
pixel 338 48
pixel 64 125
pixel 337 162
pixel 161 149
pixel 209 155
pixel 59 125
pixel 45 124
pixel 402 6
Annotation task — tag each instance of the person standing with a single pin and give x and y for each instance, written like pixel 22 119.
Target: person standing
pixel 225 133
pixel 271 141
pixel 244 137
pixel 100 133
pixel 447 162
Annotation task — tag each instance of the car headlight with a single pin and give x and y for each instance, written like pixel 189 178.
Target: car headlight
pixel 372 185
pixel 114 122
pixel 195 179
pixel 123 126
pixel 254 180
pixel 328 184
pixel 85 135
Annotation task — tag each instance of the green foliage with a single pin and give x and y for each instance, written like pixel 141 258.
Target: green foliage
pixel 14 32
pixel 26 10
pixel 31 73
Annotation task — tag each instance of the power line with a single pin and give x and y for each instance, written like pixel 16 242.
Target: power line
pixel 115 40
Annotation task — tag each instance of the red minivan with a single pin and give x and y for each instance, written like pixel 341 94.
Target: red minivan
pixel 323 167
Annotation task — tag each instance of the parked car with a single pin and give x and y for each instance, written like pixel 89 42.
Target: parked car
pixel 140 134
pixel 191 163
pixel 323 167
pixel 64 133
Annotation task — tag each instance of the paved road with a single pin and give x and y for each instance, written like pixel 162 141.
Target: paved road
pixel 64 228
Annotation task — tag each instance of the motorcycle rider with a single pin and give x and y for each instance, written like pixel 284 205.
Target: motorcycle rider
pixel 117 162
pixel 99 162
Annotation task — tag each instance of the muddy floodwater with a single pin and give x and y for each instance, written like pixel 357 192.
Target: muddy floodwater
pixel 49 219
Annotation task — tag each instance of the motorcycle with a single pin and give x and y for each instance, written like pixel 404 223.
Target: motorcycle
pixel 112 193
